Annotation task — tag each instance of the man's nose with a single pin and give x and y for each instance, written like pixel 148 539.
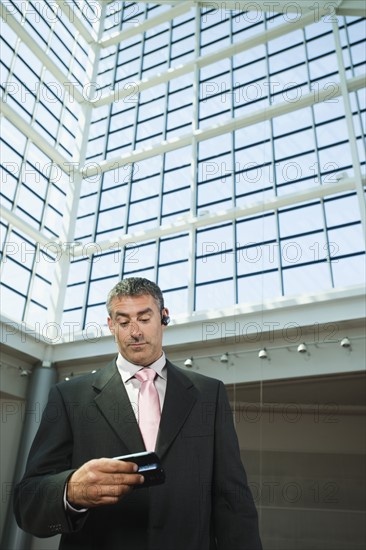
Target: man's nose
pixel 135 329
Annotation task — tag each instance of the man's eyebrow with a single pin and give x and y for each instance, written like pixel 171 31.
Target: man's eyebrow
pixel 142 312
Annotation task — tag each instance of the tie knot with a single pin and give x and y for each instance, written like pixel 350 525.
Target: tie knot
pixel 145 374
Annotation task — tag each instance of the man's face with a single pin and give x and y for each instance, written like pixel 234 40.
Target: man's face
pixel 135 322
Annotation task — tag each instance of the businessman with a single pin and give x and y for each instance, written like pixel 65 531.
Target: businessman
pixel 140 401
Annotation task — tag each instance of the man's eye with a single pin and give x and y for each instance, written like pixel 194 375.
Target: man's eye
pixel 145 320
pixel 124 324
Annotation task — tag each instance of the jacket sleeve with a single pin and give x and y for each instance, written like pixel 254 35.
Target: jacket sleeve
pixel 39 497
pixel 235 515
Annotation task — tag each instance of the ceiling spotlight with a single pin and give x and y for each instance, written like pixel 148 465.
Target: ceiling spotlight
pixel 263 354
pixel 346 343
pixel 188 362
pixel 67 378
pixel 224 358
pixel 301 348
pixel 24 372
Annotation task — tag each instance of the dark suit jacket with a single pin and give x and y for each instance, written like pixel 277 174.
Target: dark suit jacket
pixel 204 504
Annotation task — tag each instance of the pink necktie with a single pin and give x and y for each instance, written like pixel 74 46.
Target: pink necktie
pixel 149 407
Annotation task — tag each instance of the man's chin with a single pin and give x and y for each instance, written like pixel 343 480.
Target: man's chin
pixel 137 354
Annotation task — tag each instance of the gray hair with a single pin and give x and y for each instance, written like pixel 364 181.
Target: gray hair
pixel 135 286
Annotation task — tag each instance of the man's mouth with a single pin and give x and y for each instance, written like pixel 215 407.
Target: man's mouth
pixel 137 344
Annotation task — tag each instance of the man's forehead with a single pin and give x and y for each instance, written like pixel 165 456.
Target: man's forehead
pixel 129 304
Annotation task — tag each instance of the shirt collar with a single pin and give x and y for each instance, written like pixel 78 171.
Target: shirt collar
pixel 128 370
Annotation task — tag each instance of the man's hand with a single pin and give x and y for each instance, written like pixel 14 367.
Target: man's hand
pixel 102 481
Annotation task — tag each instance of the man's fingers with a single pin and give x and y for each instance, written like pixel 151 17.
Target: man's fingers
pixel 102 481
pixel 122 479
pixel 109 480
pixel 118 490
pixel 100 493
pixel 111 465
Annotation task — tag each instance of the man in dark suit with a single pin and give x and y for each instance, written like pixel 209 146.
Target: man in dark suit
pixel 72 484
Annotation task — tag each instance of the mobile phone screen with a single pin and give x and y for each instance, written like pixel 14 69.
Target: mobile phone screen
pixel 149 466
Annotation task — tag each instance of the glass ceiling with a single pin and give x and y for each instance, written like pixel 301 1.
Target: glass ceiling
pixel 218 152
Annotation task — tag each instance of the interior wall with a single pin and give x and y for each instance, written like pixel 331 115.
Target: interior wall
pixel 10 433
pixel 303 442
pixel 306 468
pixel 13 388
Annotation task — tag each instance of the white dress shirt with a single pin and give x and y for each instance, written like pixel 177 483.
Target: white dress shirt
pixel 128 370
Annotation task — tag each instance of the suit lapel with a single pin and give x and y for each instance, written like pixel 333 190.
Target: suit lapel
pixel 179 399
pixel 113 402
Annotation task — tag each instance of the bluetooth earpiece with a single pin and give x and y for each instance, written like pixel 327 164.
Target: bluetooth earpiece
pixel 165 319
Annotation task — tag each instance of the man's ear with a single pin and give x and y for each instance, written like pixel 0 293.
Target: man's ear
pixel 165 319
pixel 110 325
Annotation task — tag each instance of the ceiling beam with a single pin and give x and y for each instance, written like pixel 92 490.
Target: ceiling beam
pixel 24 227
pixel 333 306
pixel 28 131
pixel 39 52
pixel 233 124
pixel 68 8
pixel 152 23
pixel 21 337
pixel 221 216
pixel 204 61
pixel 355 8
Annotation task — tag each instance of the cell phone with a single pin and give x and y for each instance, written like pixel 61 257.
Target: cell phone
pixel 149 466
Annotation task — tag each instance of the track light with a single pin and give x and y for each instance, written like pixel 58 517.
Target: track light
pixel 263 354
pixel 188 362
pixel 24 372
pixel 301 348
pixel 224 358
pixel 67 378
pixel 345 343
